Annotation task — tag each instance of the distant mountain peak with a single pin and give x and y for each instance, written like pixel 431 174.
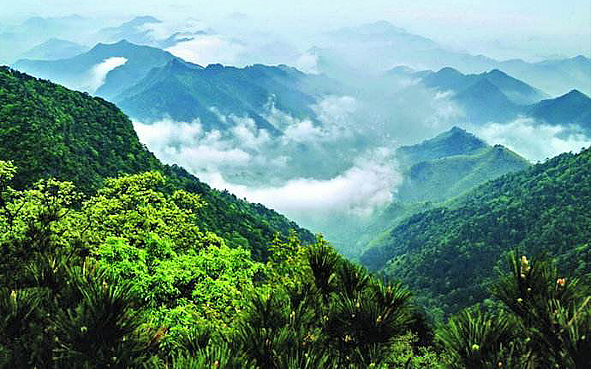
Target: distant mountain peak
pixel 572 107
pixel 455 141
pixel 123 42
pixel 481 89
pixel 449 71
pixel 573 96
pixel 575 93
pixel 177 64
pixel 141 20
pixel 498 72
pixel 383 27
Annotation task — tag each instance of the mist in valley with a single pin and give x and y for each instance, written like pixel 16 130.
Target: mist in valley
pixel 325 153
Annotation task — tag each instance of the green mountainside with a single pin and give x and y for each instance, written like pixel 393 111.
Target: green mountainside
pixel 433 171
pixel 456 141
pixel 457 247
pixel 441 179
pixel 130 274
pixel 47 130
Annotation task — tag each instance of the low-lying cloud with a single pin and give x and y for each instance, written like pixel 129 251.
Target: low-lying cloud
pixel 99 72
pixel 310 171
pixel 358 191
pixel 535 141
pixel 209 49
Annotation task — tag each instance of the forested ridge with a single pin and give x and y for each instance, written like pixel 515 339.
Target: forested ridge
pixel 143 266
pixel 458 247
pixel 48 131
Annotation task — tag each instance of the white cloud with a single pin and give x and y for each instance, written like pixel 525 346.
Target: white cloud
pixel 534 141
pixel 99 72
pixel 247 133
pixel 208 49
pixel 189 145
pixel 443 95
pixel 166 28
pixel 335 115
pixel 307 63
pixel 358 191
pixel 305 131
pixel 335 110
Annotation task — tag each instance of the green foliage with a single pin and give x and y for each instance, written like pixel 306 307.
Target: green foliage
pixel 474 339
pixel 49 131
pixel 459 248
pixel 544 323
pixel 553 310
pixel 100 330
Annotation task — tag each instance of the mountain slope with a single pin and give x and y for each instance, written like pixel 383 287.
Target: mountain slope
pixel 573 107
pixel 185 92
pixel 434 171
pixel 456 141
pixel 442 179
pixel 50 131
pixel 77 71
pixel 457 247
pixel 54 49
pixel 516 90
pixel 484 102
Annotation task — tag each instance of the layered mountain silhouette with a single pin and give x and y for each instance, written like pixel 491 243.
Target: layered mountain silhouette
pixel 485 97
pixel 75 72
pixel 377 47
pixel 47 131
pixel 187 92
pixel 497 97
pixel 54 49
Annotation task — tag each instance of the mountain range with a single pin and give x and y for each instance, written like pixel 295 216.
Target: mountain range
pixel 152 84
pixel 433 171
pixel 186 92
pixel 497 97
pixel 459 246
pixel 77 71
pixel 47 130
pixel 375 48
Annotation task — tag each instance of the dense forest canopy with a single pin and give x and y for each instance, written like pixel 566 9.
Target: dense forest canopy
pixel 49 131
pixel 111 259
pixel 458 247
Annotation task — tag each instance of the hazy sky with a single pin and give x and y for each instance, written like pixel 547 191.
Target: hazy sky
pixel 554 27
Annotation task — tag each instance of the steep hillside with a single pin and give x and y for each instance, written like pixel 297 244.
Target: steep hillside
pixel 457 247
pixel 185 92
pixel 50 131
